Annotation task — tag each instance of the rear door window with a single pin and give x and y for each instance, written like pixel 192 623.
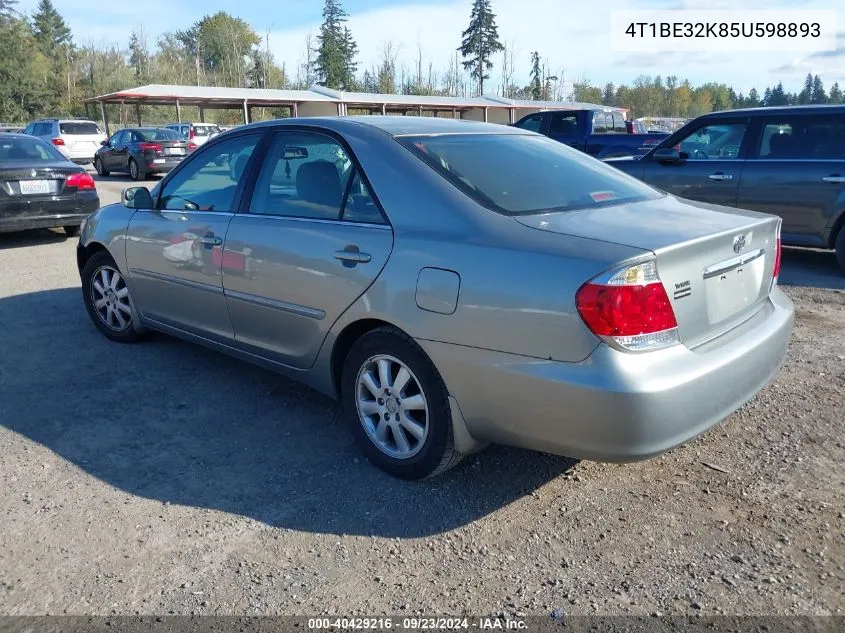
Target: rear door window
pixel 803 137
pixel 619 124
pixel 600 123
pixel 563 124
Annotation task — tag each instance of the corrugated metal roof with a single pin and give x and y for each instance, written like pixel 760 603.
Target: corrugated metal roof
pixel 161 93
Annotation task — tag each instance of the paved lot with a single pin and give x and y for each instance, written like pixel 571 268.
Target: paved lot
pixel 165 478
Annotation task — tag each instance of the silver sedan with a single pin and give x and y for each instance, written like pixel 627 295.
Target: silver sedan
pixel 452 283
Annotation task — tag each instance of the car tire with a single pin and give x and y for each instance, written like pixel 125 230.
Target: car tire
pixel 419 442
pixel 98 285
pixel 71 231
pixel 840 248
pixel 98 165
pixel 135 171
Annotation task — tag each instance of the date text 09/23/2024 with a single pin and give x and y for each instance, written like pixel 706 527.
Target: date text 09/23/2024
pixel 418 623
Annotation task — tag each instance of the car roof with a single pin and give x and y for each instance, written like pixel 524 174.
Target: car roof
pixel 396 126
pixel 767 110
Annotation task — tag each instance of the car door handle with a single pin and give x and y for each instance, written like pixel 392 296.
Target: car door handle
pixel 834 179
pixel 353 257
pixel 210 240
pixel 720 177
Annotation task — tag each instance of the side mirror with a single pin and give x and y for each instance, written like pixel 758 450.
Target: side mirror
pixel 104 143
pixel 137 198
pixel 667 155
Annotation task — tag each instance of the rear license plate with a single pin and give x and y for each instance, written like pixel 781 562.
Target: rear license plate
pixel 158 161
pixel 174 151
pixel 30 187
pixel 731 291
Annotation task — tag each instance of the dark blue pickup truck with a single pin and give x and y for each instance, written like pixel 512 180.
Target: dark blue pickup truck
pixel 599 132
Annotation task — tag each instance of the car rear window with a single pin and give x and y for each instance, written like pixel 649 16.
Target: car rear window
pixel 160 134
pixel 519 174
pixel 205 130
pixel 79 127
pixel 29 150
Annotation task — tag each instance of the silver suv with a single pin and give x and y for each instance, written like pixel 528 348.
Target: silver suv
pixel 77 139
pixel 199 133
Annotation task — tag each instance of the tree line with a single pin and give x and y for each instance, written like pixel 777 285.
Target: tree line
pixel 46 71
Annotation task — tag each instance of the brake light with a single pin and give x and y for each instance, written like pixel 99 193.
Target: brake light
pixel 776 269
pixel 191 133
pixel 630 309
pixel 57 141
pixel 80 180
pixel 155 147
pixel 192 146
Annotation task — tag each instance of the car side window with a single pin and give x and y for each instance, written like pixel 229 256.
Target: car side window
pixel 805 137
pixel 305 175
pixel 531 123
pixel 209 181
pixel 360 205
pixel 717 141
pixel 563 124
pixel 114 138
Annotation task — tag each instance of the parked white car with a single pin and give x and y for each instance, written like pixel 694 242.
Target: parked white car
pixel 199 133
pixel 77 139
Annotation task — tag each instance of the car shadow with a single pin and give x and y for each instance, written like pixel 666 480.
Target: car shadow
pixel 811 268
pixel 182 424
pixel 32 237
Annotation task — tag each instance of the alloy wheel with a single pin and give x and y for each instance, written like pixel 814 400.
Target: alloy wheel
pixel 392 406
pixel 110 298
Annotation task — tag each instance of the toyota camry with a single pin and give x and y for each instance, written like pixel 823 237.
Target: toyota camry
pixel 452 283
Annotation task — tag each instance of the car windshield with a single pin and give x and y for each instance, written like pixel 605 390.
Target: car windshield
pixel 160 134
pixel 79 127
pixel 519 174
pixel 18 149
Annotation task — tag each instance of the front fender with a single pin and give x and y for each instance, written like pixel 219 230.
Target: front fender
pixel 107 227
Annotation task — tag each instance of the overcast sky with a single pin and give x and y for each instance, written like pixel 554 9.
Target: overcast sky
pixel 572 34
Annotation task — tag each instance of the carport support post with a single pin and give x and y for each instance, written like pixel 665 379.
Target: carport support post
pixel 178 112
pixel 246 112
pixel 202 113
pixel 384 108
pixel 105 118
pixel 138 113
pixel 485 115
pixel 295 109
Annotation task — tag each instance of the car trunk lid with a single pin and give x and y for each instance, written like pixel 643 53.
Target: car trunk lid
pixel 716 264
pixel 32 182
pixel 81 137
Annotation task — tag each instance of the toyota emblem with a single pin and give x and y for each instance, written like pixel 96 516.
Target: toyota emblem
pixel 739 243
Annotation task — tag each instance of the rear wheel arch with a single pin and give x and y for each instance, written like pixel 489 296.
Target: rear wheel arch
pixel 344 342
pixel 838 225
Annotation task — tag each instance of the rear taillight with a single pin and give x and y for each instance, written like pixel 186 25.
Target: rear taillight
pixel 154 147
pixel 191 134
pixel 192 146
pixel 776 268
pixel 81 180
pixel 57 141
pixel 630 309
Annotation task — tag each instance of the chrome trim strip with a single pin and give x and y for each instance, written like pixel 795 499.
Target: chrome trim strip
pixel 195 285
pixel 189 212
pixel 369 225
pixel 264 302
pixel 729 264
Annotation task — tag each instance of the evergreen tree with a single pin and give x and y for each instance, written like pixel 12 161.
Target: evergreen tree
pixel 49 29
pixel 480 42
pixel 138 55
pixel 818 94
pixel 7 10
pixel 767 97
pixel 835 94
pixel 806 94
pixel 753 100
pixel 778 97
pixel 608 95
pixel 536 77
pixel 336 49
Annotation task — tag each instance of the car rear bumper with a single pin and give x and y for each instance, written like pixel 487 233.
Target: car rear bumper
pixel 37 214
pixel 615 406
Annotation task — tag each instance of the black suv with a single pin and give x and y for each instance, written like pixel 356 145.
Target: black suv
pixel 786 161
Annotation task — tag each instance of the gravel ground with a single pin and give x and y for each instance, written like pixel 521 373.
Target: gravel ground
pixel 165 478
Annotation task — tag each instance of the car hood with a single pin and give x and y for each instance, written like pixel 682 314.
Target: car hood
pixel 651 224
